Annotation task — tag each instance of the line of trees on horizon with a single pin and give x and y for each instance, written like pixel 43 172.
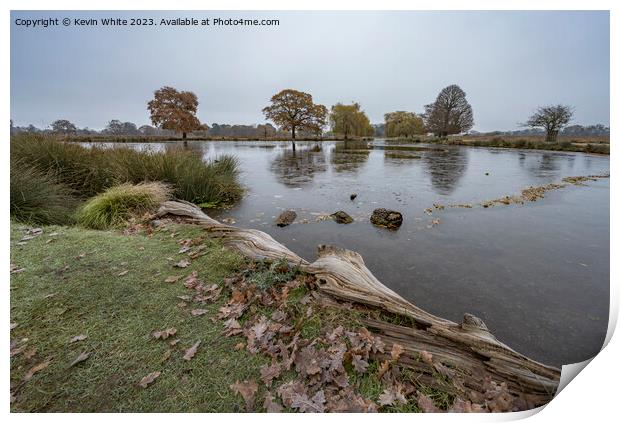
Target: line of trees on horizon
pixel 294 112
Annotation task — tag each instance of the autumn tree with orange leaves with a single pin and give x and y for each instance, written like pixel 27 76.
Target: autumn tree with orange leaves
pixel 174 110
pixel 294 110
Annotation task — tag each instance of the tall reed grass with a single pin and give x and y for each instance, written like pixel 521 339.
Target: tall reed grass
pixel 89 171
pixel 37 197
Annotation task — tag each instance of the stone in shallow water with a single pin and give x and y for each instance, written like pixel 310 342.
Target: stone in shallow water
pixel 342 217
pixel 386 218
pixel 286 218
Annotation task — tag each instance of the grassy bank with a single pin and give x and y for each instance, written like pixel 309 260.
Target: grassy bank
pixel 112 289
pixel 597 145
pixel 88 310
pixel 67 170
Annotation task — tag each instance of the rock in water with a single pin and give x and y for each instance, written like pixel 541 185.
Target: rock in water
pixel 353 196
pixel 387 218
pixel 286 218
pixel 342 217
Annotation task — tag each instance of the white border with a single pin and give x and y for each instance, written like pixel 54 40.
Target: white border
pixel 591 396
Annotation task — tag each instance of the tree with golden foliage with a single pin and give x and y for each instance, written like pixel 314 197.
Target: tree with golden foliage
pixel 403 124
pixel 175 110
pixel 295 111
pixel 349 119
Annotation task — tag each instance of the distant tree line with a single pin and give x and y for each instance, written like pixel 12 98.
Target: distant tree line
pixel 295 113
pixel 572 130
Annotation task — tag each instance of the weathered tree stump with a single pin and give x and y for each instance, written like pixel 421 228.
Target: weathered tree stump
pixel 467 353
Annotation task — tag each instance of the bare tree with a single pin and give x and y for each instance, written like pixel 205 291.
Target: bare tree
pixel 552 119
pixel 450 113
pixel 63 126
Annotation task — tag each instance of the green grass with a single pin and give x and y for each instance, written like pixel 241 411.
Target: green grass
pixel 116 205
pixel 37 197
pixel 71 286
pixel 90 171
pixel 598 145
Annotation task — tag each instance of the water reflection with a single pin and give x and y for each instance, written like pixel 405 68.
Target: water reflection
pixel 295 168
pixel 446 167
pixel 349 156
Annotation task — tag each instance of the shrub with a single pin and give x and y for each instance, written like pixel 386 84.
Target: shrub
pixel 117 204
pixel 565 144
pixel 38 198
pixel 90 171
pixel 519 143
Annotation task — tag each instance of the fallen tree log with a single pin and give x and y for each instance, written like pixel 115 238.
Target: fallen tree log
pixel 466 355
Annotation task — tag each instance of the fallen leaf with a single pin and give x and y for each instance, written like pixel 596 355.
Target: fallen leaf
pixel 247 390
pixel 192 281
pixel 30 353
pixel 392 395
pixel 191 352
pixel 77 338
pixel 30 373
pixel 165 334
pixel 426 404
pixel 309 405
pixel 148 379
pixel 182 264
pixel 123 273
pixel 360 365
pixel 270 405
pixel 383 368
pixel 82 357
pixel 16 269
pixel 198 311
pixel 239 346
pixel 232 327
pixel 269 373
pixel 427 357
pixel 174 342
pixel 166 355
pixel 172 279
pixel 397 350
pixel 14 325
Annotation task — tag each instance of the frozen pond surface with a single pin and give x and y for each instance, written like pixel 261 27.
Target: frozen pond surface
pixel 537 274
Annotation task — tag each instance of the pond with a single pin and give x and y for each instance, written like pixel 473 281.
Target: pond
pixel 536 273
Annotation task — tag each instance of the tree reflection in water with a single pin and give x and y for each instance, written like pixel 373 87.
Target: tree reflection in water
pixel 297 168
pixel 446 167
pixel 349 156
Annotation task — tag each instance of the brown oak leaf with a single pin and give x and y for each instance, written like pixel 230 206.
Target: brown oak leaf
pixel 426 404
pixel 165 334
pixel 247 389
pixel 396 352
pixel 30 373
pixel 269 373
pixel 360 365
pixel 182 264
pixel 270 404
pixel 77 338
pixel 82 357
pixel 148 379
pixel 191 351
pixel 172 279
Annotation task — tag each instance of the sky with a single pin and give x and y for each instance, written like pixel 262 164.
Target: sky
pixel 508 63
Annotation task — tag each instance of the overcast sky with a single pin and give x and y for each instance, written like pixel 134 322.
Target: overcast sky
pixel 507 62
